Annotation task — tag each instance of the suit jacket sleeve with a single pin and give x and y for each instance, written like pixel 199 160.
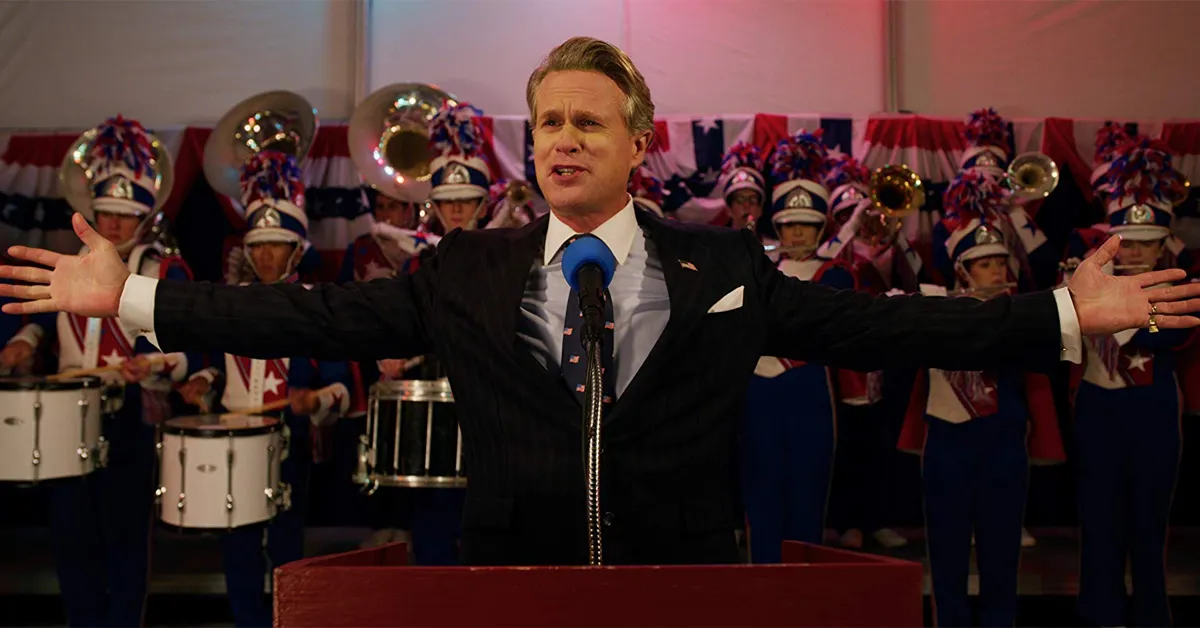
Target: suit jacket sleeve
pixel 848 329
pixel 384 318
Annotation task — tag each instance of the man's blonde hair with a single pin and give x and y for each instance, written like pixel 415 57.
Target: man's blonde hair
pixel 593 55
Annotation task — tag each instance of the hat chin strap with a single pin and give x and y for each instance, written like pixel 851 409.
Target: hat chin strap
pixel 471 222
pixel 124 248
pixel 293 261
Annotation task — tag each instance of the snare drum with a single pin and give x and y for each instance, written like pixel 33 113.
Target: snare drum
pixel 220 471
pixel 413 437
pixel 50 428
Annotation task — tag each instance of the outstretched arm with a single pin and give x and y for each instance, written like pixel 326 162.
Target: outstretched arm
pixel 362 321
pixel 857 331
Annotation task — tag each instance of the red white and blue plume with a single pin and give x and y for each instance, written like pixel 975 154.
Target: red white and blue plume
pixel 123 151
pixel 1143 189
pixel 647 191
pixel 459 170
pixel 742 169
pixel 797 166
pixel 273 195
pixel 988 140
pixel 975 193
pixel 1108 138
pixel 847 178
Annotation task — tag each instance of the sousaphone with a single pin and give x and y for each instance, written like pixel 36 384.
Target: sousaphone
pixel 389 138
pixel 280 121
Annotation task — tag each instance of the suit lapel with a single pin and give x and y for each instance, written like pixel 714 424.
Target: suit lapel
pixel 684 264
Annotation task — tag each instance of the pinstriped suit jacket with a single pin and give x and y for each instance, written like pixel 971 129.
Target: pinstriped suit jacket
pixel 668 466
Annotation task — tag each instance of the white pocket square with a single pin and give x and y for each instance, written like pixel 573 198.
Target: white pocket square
pixel 731 301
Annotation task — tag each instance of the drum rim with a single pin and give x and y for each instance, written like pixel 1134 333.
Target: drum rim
pixel 414 390
pixel 34 382
pixel 191 531
pixel 215 431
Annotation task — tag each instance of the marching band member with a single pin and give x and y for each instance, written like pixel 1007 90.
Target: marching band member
pixel 743 185
pixel 382 252
pixel 989 140
pixel 1127 410
pixel 116 175
pixel 861 477
pixel 789 431
pixel 977 432
pixel 273 195
pixel 646 191
pixel 461 176
pixel 22 335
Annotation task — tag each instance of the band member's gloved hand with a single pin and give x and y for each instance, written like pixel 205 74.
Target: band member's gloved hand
pixel 15 353
pixel 392 369
pixel 136 369
pixel 304 402
pixel 194 390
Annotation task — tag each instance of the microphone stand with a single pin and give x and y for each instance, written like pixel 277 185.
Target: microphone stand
pixel 593 408
pixel 592 308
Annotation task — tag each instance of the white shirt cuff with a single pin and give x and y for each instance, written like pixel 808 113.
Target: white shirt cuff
pixel 136 310
pixel 1068 325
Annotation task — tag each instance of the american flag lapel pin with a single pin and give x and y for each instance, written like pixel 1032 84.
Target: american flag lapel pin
pixel 687 265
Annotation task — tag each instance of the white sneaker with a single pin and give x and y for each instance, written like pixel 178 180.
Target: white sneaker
pixel 889 538
pixel 1027 539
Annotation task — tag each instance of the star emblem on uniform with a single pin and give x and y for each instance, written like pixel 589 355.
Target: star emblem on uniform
pixel 113 358
pixel 1031 227
pixel 272 383
pixel 1139 361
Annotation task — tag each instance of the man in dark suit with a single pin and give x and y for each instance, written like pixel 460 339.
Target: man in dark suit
pixel 692 309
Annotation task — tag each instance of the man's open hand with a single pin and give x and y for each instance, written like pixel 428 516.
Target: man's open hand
pixel 1106 304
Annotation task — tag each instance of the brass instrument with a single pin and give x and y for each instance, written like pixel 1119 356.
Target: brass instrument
pixel 984 292
pixel 1071 265
pixel 1031 176
pixel 796 252
pixel 895 191
pixel 389 138
pixel 280 121
pixel 160 233
pixel 518 192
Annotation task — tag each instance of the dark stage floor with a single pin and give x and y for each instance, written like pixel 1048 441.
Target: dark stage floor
pixel 187 587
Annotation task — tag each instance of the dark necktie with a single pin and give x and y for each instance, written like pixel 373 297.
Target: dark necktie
pixel 574 358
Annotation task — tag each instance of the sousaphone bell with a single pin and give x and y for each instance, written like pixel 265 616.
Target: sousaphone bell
pixel 389 138
pixel 280 120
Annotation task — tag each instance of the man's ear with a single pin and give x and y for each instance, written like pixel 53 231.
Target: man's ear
pixel 641 144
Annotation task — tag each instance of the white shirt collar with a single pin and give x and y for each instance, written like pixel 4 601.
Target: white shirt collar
pixel 616 232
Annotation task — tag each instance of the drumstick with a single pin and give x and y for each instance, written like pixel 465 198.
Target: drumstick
pixel 273 406
pixel 97 370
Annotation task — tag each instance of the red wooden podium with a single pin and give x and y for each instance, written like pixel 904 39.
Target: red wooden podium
pixel 816 586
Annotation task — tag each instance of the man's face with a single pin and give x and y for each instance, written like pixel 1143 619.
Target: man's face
pixel 582 149
pixel 393 212
pixel 272 260
pixel 456 214
pixel 117 228
pixel 988 271
pixel 798 234
pixel 744 205
pixel 1139 253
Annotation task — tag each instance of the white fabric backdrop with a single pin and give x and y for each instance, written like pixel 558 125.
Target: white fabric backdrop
pixel 69 64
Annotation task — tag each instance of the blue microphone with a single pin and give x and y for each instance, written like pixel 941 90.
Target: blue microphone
pixel 588 266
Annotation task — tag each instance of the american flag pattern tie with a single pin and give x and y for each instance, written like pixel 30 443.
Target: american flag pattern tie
pixel 574 358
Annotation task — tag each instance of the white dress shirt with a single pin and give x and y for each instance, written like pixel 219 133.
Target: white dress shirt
pixel 641 306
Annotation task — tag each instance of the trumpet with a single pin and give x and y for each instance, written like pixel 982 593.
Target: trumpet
pixel 984 292
pixel 895 191
pixel 1031 176
pixel 518 193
